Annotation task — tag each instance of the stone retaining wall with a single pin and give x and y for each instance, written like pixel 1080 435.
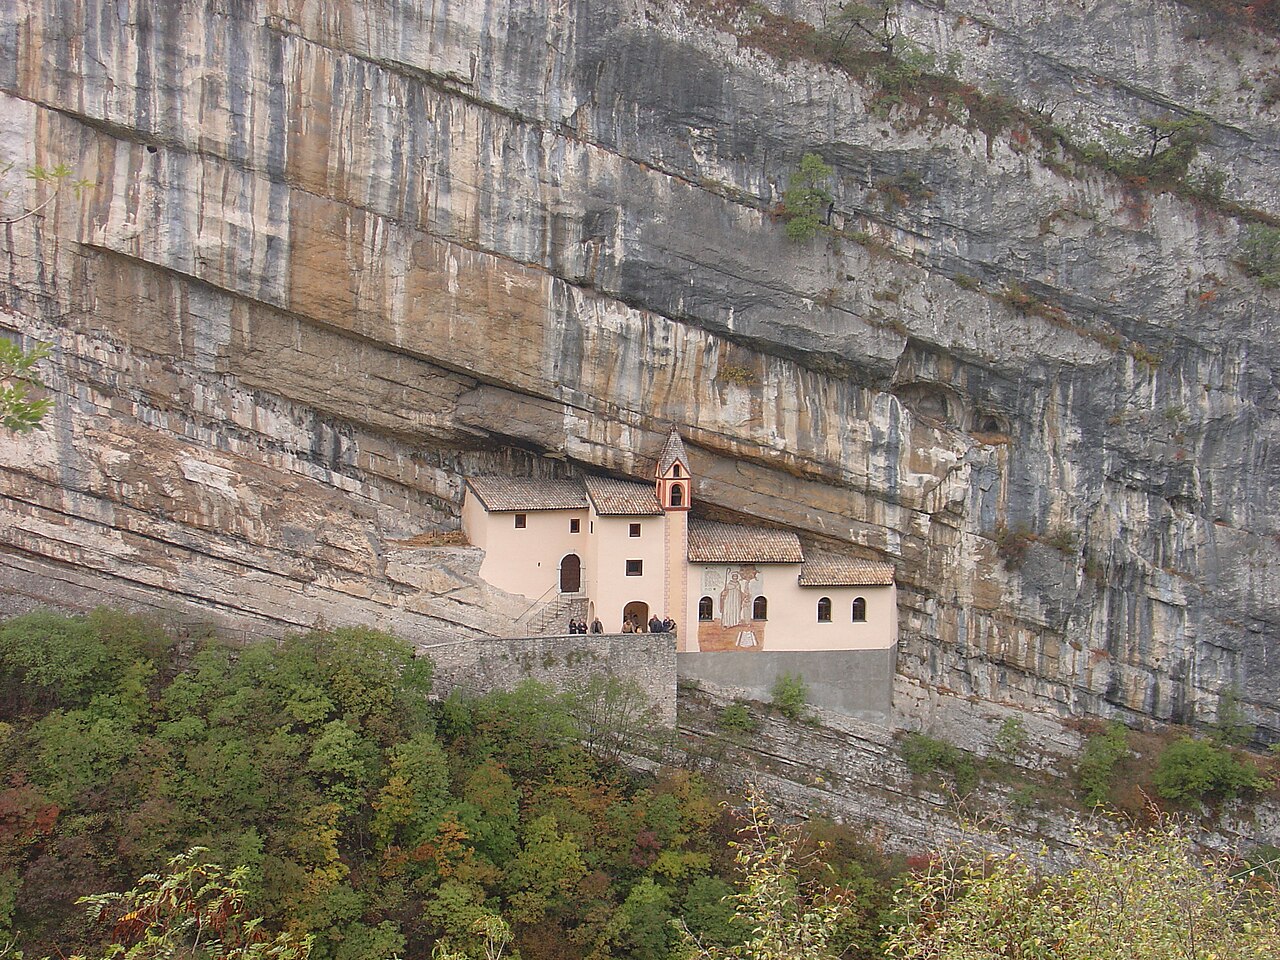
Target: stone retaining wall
pixel 562 661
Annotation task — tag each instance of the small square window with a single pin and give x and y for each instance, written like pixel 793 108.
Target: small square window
pixel 635 530
pixel 635 568
pixel 575 526
pixel 520 521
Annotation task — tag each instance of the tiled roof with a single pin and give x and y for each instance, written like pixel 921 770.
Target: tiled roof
pixel 834 570
pixel 622 498
pixel 672 451
pixel 499 494
pixel 724 543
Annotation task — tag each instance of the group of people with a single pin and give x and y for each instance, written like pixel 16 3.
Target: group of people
pixel 634 625
pixel 630 624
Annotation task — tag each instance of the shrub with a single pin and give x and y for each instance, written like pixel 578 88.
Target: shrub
pixel 1096 770
pixel 1260 254
pixel 1010 738
pixel 1138 894
pixel 790 695
pixel 1192 770
pixel 926 755
pixel 806 198
pixel 1231 727
pixel 736 375
pixel 737 718
pixel 1012 544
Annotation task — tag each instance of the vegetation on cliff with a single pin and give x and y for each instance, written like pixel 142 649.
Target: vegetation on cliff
pixel 366 817
pixel 370 822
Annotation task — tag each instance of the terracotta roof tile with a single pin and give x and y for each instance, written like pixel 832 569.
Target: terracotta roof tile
pixel 834 570
pixel 622 498
pixel 672 451
pixel 725 543
pixel 507 494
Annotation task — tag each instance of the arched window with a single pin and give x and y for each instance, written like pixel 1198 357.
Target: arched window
pixel 677 495
pixel 760 609
pixel 859 610
pixel 824 610
pixel 705 610
pixel 675 469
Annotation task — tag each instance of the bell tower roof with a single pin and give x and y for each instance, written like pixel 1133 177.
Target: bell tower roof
pixel 672 451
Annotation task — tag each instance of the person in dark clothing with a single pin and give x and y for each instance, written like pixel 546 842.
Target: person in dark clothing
pixel 628 626
pixel 655 625
pixel 668 625
pixel 582 627
pixel 573 626
pixel 597 626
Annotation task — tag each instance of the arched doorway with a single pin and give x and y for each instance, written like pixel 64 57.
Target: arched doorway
pixel 637 611
pixel 570 574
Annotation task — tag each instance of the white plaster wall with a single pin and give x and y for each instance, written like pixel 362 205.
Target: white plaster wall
pixel 527 561
pixel 613 589
pixel 591 566
pixel 792 623
pixel 475 521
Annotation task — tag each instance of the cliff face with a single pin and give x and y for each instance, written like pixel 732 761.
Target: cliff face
pixel 340 255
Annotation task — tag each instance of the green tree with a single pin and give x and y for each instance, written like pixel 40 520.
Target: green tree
pixel 410 803
pixel 1136 895
pixel 544 872
pixel 195 911
pixel 1172 144
pixel 857 24
pixel 788 918
pixel 47 181
pixel 1192 770
pixel 1096 770
pixel 807 198
pixel 19 410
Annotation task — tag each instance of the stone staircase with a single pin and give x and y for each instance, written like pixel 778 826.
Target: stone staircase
pixel 551 618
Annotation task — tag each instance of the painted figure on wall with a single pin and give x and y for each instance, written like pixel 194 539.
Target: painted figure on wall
pixel 732 600
pixel 725 611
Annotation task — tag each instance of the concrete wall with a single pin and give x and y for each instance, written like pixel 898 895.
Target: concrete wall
pixel 563 662
pixel 855 683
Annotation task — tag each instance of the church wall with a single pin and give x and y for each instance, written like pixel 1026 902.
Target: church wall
pixel 527 561
pixel 792 621
pixel 475 521
pixel 613 589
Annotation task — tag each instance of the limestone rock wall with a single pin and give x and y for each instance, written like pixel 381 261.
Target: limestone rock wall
pixel 340 254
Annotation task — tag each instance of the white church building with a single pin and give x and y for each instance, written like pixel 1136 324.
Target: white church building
pixel 630 550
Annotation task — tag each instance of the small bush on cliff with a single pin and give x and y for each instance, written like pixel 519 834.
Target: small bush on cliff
pixel 1096 770
pixel 806 198
pixel 1231 728
pixel 1260 254
pixel 1190 771
pixel 925 756
pixel 1010 739
pixel 791 696
pixel 19 410
pixel 737 718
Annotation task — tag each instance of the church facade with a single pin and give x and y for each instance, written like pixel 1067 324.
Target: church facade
pixel 631 551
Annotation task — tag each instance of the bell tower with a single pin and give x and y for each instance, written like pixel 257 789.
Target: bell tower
pixel 674 487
